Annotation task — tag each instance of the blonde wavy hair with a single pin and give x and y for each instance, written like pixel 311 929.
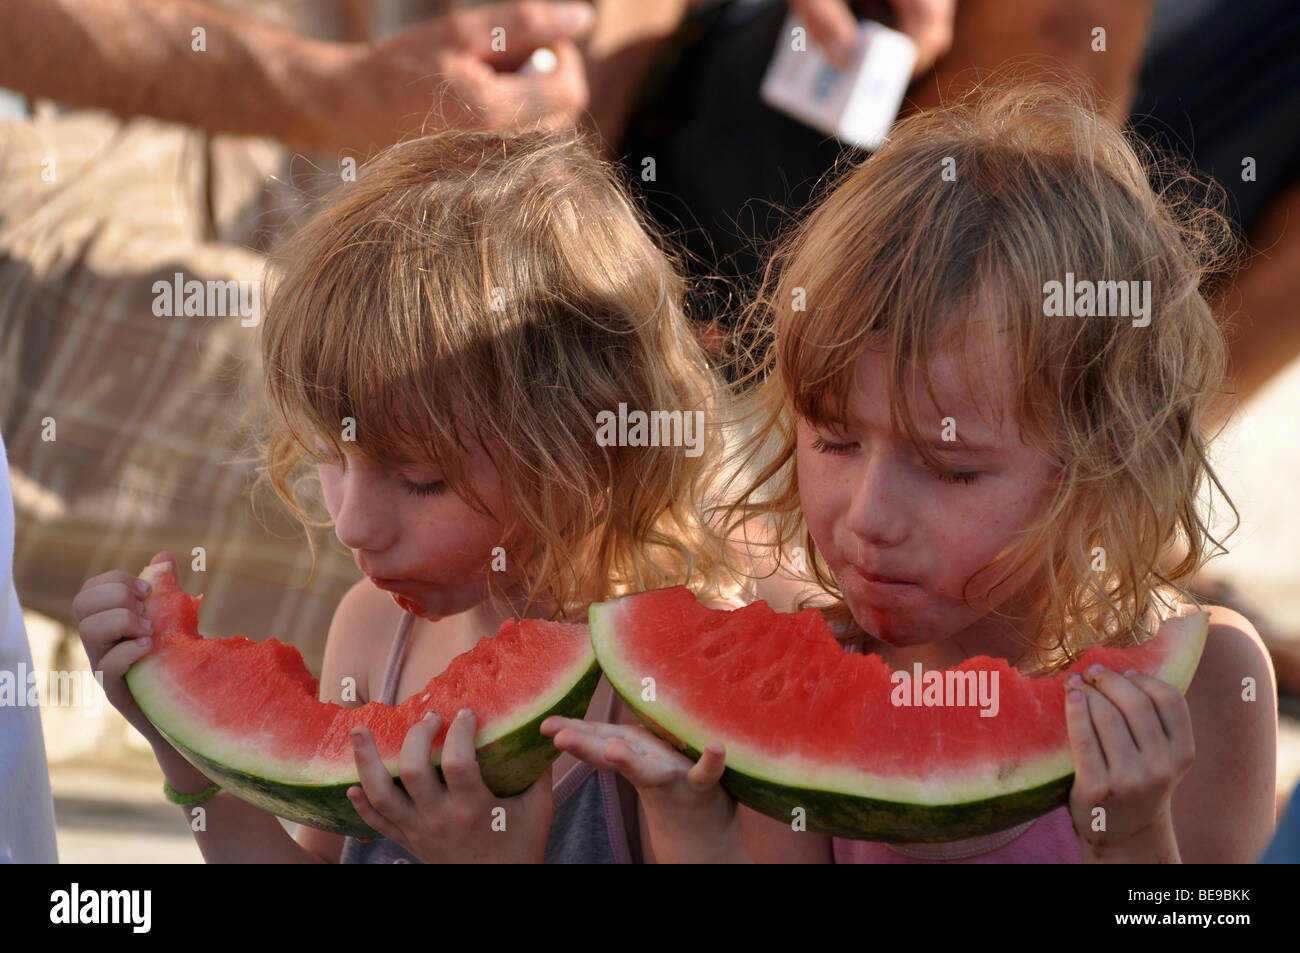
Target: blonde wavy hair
pixel 501 291
pixel 897 252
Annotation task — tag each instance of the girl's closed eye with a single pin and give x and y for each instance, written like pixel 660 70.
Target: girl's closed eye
pixel 822 445
pixel 425 489
pixel 949 476
pixel 413 487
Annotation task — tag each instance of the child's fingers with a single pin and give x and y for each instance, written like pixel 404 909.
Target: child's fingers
pixel 418 777
pixel 557 723
pixel 367 812
pixel 595 736
pixel 94 595
pixel 1175 716
pixel 115 662
pixel 599 729
pixel 640 768
pixel 1117 743
pixel 539 799
pixel 460 761
pixel 554 724
pixel 585 746
pixel 1089 759
pixel 1134 704
pixel 103 630
pixel 376 783
pixel 706 772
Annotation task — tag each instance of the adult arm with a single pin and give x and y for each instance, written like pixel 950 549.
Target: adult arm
pixel 141 57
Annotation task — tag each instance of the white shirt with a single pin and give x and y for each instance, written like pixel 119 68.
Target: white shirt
pixel 26 805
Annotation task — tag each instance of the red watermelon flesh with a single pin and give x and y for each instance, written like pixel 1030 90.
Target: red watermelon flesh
pixel 247 714
pixel 809 725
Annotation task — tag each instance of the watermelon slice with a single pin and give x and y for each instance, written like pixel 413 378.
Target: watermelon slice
pixel 246 713
pixel 863 750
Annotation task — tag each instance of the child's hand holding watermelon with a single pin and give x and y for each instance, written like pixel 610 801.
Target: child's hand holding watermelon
pixel 1132 741
pixel 690 817
pixel 453 822
pixel 115 634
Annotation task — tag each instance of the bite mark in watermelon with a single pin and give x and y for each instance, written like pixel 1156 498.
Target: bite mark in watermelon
pixel 808 725
pixel 246 713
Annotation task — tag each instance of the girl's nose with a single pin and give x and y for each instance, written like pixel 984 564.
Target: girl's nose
pixel 363 520
pixel 877 513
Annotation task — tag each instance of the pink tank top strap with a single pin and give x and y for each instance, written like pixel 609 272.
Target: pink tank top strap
pixel 565 786
pixel 396 657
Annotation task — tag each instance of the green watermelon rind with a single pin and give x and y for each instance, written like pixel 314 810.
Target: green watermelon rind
pixel 863 818
pixel 511 750
pixel 175 717
pixel 850 804
pixel 510 765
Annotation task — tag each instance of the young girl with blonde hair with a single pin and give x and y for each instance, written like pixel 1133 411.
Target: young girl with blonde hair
pixel 442 341
pixel 978 425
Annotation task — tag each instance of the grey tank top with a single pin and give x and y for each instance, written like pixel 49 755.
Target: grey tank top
pixel 588 824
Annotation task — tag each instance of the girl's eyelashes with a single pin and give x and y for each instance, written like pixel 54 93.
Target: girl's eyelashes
pixel 432 488
pixel 947 476
pixel 425 489
pixel 822 445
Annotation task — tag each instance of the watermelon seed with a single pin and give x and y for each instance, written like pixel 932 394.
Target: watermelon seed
pixel 718 647
pixel 739 673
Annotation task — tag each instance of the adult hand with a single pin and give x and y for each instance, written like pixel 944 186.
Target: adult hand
pixel 458 70
pixel 927 22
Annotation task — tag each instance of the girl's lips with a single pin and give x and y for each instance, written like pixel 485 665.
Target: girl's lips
pixel 878 581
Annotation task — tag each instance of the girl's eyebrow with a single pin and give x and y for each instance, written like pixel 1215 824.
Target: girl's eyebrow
pixel 936 440
pixel 961 443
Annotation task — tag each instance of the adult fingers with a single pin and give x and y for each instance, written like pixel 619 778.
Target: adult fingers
pixel 832 26
pixel 929 25
pixel 549 100
pixel 503 34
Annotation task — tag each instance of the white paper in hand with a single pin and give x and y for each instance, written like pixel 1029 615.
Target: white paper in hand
pixel 856 104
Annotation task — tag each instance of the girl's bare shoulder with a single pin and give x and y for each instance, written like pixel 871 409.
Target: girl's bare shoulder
pixel 1224 807
pixel 1232 647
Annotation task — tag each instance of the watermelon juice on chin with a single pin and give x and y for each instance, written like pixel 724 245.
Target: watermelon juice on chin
pixel 410 605
pixel 405 602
